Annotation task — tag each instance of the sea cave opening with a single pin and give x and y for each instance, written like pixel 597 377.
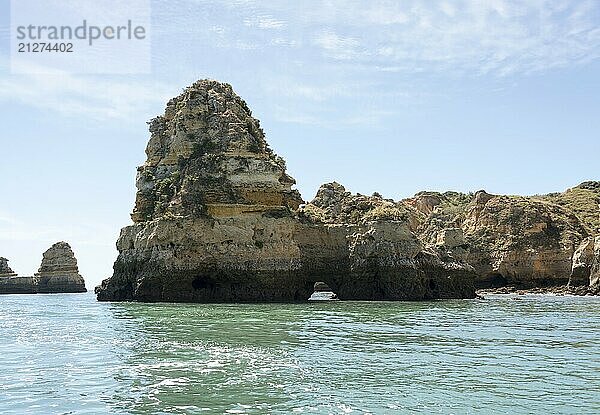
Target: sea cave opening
pixel 495 280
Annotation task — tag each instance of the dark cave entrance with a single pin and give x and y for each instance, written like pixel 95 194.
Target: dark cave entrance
pixel 202 282
pixel 493 280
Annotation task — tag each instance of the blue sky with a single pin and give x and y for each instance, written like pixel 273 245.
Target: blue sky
pixel 387 96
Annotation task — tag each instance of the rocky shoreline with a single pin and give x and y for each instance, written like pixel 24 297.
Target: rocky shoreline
pixel 58 273
pixel 216 219
pixel 562 290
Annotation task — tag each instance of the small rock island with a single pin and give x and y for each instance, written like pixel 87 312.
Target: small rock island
pixel 58 273
pixel 216 219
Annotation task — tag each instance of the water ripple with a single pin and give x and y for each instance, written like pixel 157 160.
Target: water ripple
pixel 67 354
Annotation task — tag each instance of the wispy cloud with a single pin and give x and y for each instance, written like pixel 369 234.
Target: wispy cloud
pixel 347 39
pixel 307 90
pixel 336 46
pixel 264 22
pixel 497 37
pixel 96 97
pixel 366 117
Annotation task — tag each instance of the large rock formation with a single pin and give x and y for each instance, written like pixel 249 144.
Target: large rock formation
pixel 58 273
pixel 385 257
pixel 216 219
pixel 18 285
pixel 524 242
pixel 10 283
pixel 207 155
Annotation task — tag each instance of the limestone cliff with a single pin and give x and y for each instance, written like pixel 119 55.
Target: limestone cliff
pixel 18 285
pixel 58 273
pixel 216 219
pixel 384 252
pixel 207 154
pixel 511 240
pixel 522 241
pixel 10 283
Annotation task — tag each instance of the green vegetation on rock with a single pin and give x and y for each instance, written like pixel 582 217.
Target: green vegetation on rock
pixel 583 200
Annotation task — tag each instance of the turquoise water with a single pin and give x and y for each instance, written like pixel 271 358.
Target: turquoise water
pixel 68 354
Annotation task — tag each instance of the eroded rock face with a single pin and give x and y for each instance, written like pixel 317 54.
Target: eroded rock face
pixel 384 253
pixel 583 200
pixel 216 219
pixel 205 153
pixel 511 240
pixel 58 272
pixel 583 259
pixel 213 214
pixel 527 242
pixel 595 269
pixel 18 285
pixel 425 202
pixel 482 197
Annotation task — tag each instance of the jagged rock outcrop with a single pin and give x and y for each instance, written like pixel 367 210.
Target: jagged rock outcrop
pixel 384 252
pixel 216 219
pixel 524 241
pixel 425 202
pixel 58 273
pixel 18 285
pixel 206 155
pixel 511 240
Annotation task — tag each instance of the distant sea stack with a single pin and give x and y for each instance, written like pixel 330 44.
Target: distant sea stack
pixel 216 220
pixel 58 273
pixel 11 283
pixel 5 270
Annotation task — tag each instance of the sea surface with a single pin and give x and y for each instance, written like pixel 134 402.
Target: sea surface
pixel 68 354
